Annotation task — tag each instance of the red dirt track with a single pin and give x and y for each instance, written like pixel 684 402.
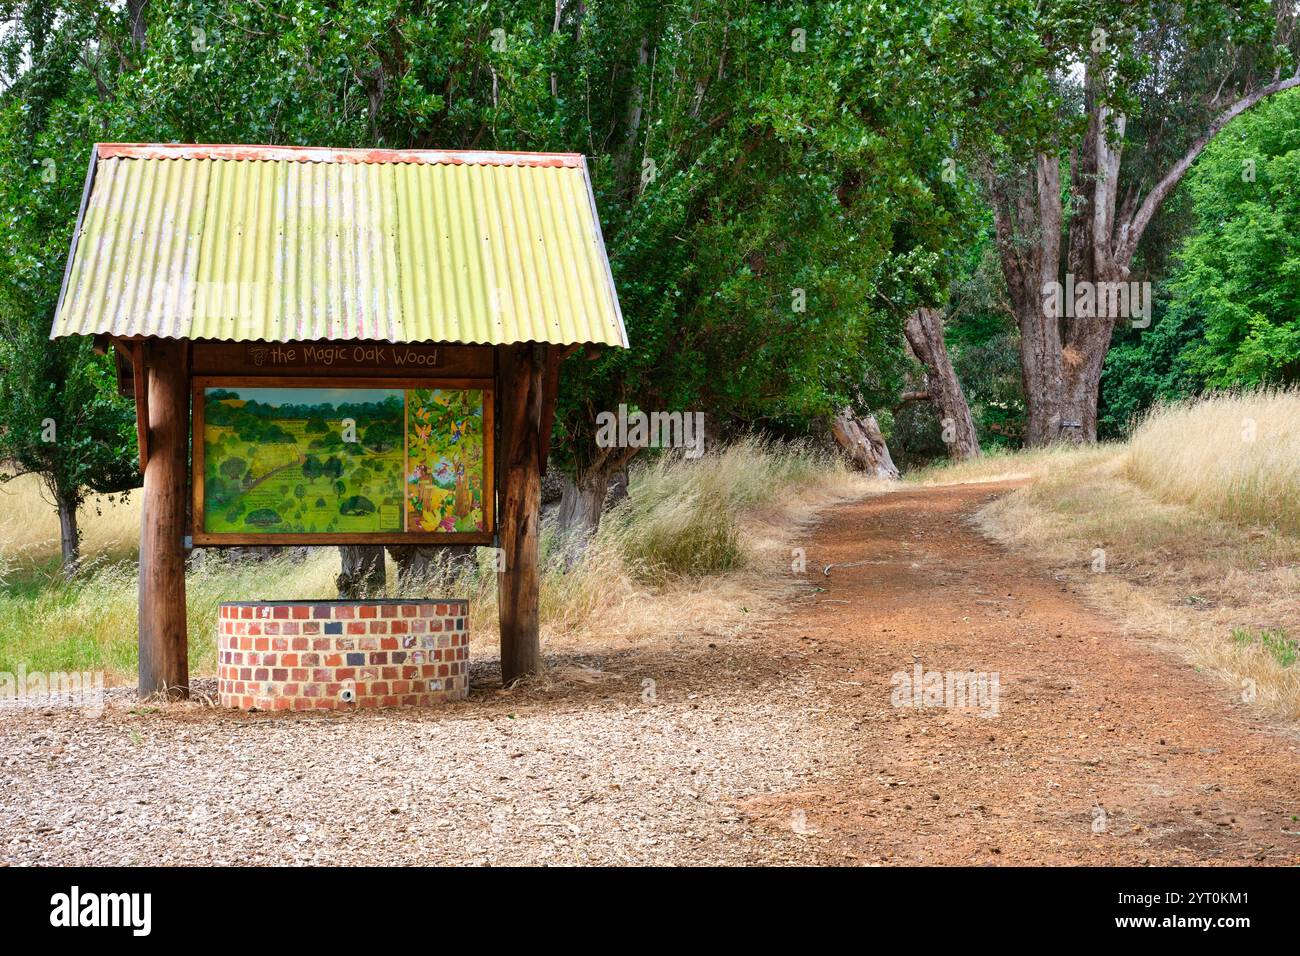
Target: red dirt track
pixel 1089 717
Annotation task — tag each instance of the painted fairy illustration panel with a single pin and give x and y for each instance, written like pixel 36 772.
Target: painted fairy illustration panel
pixel 444 460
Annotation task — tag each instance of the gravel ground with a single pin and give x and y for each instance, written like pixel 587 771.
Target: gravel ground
pixel 777 744
pixel 585 770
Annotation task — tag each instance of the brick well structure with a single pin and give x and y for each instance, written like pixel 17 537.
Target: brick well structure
pixel 329 655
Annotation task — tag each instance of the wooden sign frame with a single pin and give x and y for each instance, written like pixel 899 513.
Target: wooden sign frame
pixel 202 538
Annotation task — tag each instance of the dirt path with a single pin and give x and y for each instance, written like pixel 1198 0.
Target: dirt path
pixel 1105 749
pixel 777 745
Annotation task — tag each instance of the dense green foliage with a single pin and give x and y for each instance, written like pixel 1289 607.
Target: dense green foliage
pixel 779 183
pixel 1229 314
pixel 1238 274
pixel 768 175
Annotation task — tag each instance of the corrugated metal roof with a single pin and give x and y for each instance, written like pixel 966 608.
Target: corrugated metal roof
pixel 274 243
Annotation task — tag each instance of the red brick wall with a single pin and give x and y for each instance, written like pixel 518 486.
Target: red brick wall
pixel 295 655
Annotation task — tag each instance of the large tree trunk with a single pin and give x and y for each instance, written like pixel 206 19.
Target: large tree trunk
pixel 585 497
pixel 362 572
pixel 1094 187
pixel 582 502
pixel 924 330
pixel 863 443
pixel 1028 229
pixel 1062 354
pixel 69 535
pixel 1087 343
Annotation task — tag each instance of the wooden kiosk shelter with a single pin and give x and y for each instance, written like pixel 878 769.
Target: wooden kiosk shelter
pixel 423 299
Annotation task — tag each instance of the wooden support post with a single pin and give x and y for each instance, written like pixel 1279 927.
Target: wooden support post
pixel 138 379
pixel 555 356
pixel 522 371
pixel 164 652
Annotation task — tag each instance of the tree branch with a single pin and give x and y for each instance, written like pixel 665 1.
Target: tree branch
pixel 1131 231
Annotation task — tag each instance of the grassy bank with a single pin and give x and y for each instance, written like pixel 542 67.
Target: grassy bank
pixel 694 545
pixel 1190 532
pixel 1236 457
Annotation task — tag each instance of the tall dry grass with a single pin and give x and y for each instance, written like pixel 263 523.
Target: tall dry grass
pixel 48 624
pixel 1236 456
pixel 685 521
pixel 29 524
pixel 690 548
pixel 999 464
pixel 694 545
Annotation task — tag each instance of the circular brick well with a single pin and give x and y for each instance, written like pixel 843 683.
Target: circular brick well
pixel 330 655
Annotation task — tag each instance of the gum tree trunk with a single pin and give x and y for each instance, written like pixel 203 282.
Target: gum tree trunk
pixel 362 573
pixel 862 442
pixel 69 535
pixel 585 497
pixel 1028 229
pixel 924 331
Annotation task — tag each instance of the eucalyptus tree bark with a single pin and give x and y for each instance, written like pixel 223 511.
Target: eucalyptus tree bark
pixel 584 497
pixel 69 537
pixel 1061 359
pixel 863 444
pixel 362 573
pixel 1027 225
pixel 924 331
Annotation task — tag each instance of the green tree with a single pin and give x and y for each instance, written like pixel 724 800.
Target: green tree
pixel 60 415
pixel 1238 274
pixel 1226 316
pixel 1131 94
pixel 771 177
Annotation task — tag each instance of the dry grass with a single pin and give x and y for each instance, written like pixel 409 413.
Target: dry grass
pixel 1236 456
pixel 1181 535
pixel 1000 465
pixel 659 566
pixel 695 547
pixel 29 524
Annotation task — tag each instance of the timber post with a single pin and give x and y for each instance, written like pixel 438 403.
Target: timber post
pixel 522 369
pixel 164 633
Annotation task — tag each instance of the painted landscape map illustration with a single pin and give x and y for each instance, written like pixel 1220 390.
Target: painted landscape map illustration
pixel 342 460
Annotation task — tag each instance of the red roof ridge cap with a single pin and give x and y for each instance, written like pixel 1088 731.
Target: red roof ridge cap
pixel 328 154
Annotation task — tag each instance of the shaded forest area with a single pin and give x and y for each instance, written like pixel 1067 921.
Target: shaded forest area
pixel 837 221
